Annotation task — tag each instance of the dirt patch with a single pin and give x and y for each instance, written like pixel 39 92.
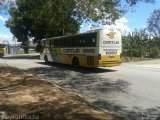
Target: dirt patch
pixel 24 96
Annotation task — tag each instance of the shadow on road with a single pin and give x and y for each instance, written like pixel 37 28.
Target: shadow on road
pixel 22 57
pixel 91 84
pixel 84 70
pixel 136 114
pixel 83 80
pixel 118 109
pixel 87 82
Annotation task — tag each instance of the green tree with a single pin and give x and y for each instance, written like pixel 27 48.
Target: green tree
pixel 142 39
pixel 126 48
pixel 154 29
pixel 5 5
pixel 41 18
pixel 105 11
pixel 136 44
pixel 47 18
pixel 154 23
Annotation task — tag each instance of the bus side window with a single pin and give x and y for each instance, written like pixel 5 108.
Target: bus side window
pixel 55 43
pixel 84 42
pixel 52 43
pixel 94 39
pixel 76 41
pixel 80 42
pixel 46 44
pixel 93 42
pixel 62 42
pixel 58 43
pixel 43 43
pixel 68 42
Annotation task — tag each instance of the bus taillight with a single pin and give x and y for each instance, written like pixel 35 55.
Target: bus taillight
pixel 99 56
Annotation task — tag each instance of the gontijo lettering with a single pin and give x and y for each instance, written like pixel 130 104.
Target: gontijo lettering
pixel 71 50
pixel 75 51
pixel 110 42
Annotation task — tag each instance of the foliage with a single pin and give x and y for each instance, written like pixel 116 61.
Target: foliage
pixel 104 11
pixel 140 44
pixel 154 23
pixel 134 2
pixel 5 5
pixel 40 19
pixel 154 29
pixel 48 18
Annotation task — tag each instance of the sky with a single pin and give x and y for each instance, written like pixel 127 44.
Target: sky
pixel 135 18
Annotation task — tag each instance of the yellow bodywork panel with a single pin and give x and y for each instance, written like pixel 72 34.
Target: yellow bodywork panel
pixel 105 61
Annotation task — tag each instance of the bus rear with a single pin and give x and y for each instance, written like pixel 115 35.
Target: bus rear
pixel 110 47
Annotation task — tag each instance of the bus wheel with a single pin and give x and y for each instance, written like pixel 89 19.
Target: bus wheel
pixel 46 58
pixel 75 62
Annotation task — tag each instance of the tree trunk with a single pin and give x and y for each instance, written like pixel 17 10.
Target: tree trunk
pixel 142 57
pixel 131 55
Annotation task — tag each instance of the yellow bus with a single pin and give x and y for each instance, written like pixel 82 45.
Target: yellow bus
pixel 2 50
pixel 95 48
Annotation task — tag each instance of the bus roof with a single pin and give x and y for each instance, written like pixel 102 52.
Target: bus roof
pixel 90 31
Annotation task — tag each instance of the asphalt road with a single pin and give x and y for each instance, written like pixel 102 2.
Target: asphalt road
pixel 131 90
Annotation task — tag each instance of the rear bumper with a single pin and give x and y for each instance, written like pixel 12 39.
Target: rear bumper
pixel 109 63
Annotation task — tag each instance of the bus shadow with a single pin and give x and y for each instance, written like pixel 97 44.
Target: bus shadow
pixel 84 70
pixel 22 57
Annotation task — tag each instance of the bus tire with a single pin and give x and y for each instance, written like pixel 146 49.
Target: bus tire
pixel 46 58
pixel 75 62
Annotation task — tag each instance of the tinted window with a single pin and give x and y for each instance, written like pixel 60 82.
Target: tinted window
pixel 47 43
pixel 68 42
pixel 52 43
pixel 43 43
pixel 83 40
